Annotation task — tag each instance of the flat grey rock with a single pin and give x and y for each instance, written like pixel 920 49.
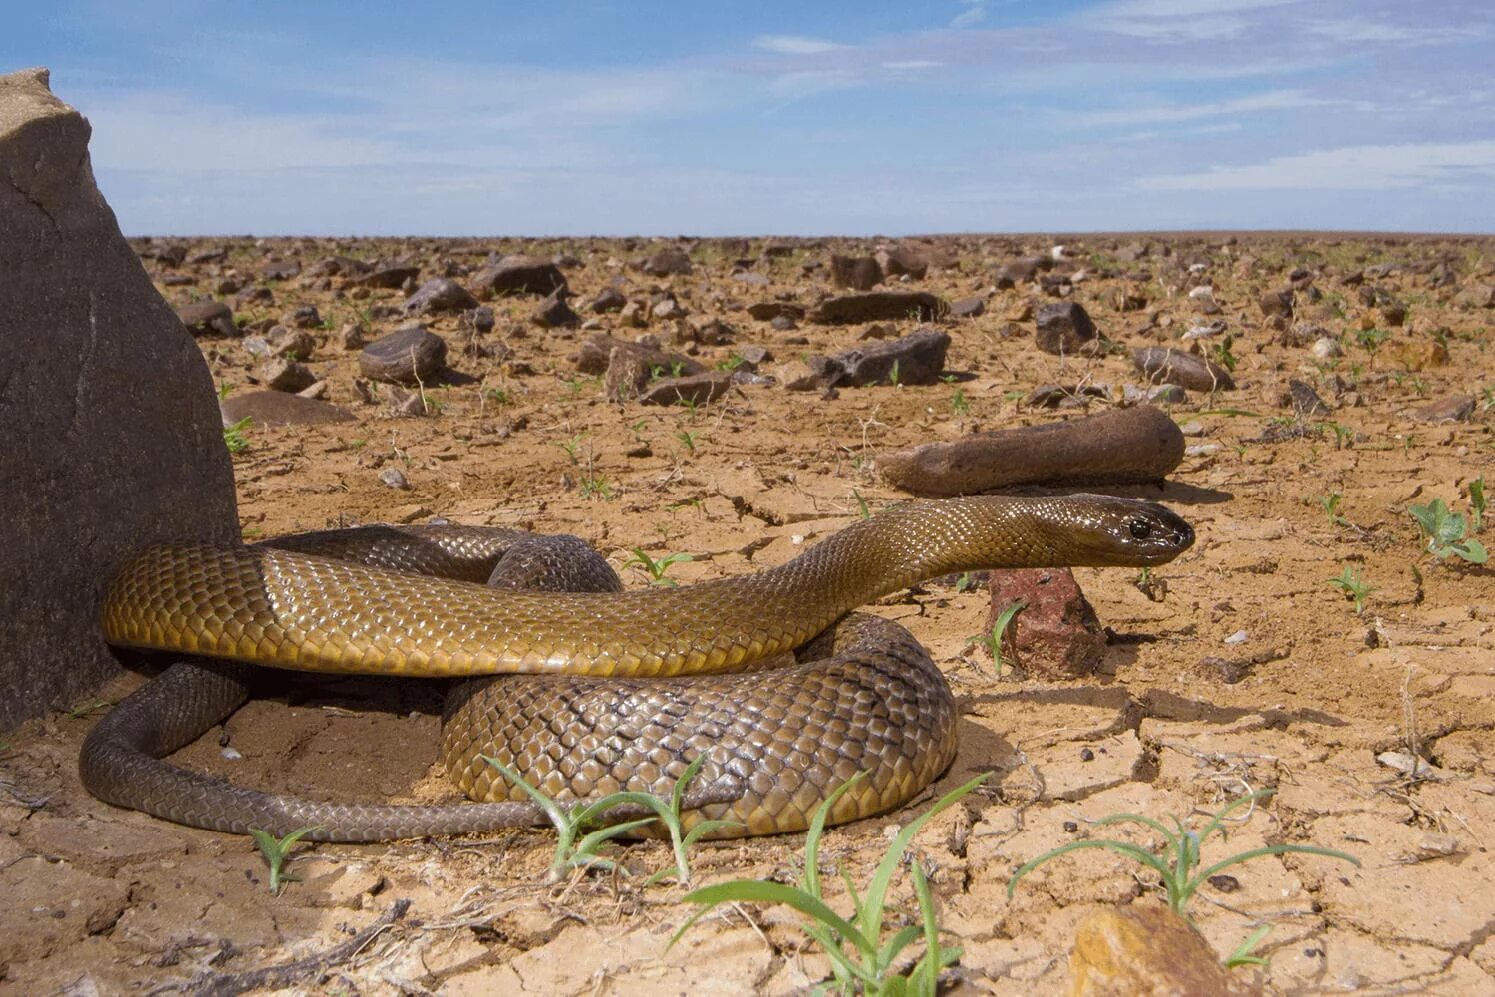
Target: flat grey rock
pixel 276 408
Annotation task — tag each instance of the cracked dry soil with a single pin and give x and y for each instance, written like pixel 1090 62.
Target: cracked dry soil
pixel 99 900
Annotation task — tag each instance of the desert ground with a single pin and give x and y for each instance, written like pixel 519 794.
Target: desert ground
pixel 1237 668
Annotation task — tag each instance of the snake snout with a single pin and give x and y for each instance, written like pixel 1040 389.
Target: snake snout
pixel 1156 534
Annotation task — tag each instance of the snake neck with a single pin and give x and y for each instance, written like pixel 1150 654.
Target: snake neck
pixel 915 541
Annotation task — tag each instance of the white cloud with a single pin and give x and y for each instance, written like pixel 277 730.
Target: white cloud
pixel 1359 167
pixel 900 65
pixel 1192 20
pixel 1403 35
pixel 1276 100
pixel 974 13
pixel 795 45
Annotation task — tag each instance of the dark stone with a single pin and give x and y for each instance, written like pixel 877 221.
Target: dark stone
pixel 281 270
pixel 1063 327
pixel 967 307
pixel 859 273
pixel 876 306
pixel 1187 370
pixel 554 313
pixel 667 261
pixel 917 358
pixel 1304 400
pixel 610 300
pixel 696 389
pixel 406 356
pixel 520 275
pixel 275 408
pixel 439 295
pixel 388 277
pixel 208 318
pixel 480 319
pixel 767 311
pixel 110 425
pixel 305 317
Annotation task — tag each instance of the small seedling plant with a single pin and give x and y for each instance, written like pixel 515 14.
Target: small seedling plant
pixel 1354 586
pixel 234 438
pixel 277 851
pixel 1447 533
pixel 862 959
pixel 1001 636
pixel 577 848
pixel 656 568
pixel 1180 856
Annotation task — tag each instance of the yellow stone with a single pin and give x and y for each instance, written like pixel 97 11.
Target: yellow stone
pixel 1148 950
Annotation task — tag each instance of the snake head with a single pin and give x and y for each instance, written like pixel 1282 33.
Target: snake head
pixel 1119 531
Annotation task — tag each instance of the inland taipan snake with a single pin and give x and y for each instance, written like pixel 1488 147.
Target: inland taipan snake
pixel 634 691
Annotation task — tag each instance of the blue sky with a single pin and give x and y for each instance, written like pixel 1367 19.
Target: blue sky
pixel 767 117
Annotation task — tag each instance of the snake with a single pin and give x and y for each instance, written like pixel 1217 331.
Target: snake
pixel 771 676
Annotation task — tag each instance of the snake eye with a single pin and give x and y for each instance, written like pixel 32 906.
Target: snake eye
pixel 1140 528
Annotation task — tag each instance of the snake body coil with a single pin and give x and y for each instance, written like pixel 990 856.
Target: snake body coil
pixel 777 741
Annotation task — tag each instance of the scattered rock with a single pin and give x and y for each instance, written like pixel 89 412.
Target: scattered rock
pixel 393 477
pixel 519 275
pixel 1326 348
pixel 1023 271
pixel 1475 296
pixel 1454 408
pixel 876 306
pixel 696 389
pixel 666 262
pixel 1147 949
pixel 281 270
pixel 275 408
pixel 917 358
pixel 1304 400
pixel 439 295
pixel 281 374
pixel 554 313
pixel 1187 370
pixel 388 277
pixel 767 311
pixel 1412 355
pixel 859 273
pixel 631 366
pixel 1057 634
pixel 1276 303
pixel 1063 328
pixel 407 356
pixel 1124 446
pixel 610 300
pixel 208 318
pixel 1153 394
pixel 899 261
pixel 968 308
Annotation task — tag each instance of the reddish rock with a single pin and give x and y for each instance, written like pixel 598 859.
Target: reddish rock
pixel 1057 634
pixel 1148 949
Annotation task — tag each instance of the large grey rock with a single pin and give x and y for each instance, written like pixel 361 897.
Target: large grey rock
pixel 111 427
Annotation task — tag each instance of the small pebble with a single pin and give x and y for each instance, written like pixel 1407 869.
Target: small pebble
pixel 1239 637
pixel 394 478
pixel 231 754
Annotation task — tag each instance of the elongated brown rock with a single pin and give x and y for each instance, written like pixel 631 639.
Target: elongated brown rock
pixel 1122 446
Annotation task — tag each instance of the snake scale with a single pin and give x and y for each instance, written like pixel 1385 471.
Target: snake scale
pixel 633 692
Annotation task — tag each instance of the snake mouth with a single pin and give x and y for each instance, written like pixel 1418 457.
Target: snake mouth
pixel 1132 533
